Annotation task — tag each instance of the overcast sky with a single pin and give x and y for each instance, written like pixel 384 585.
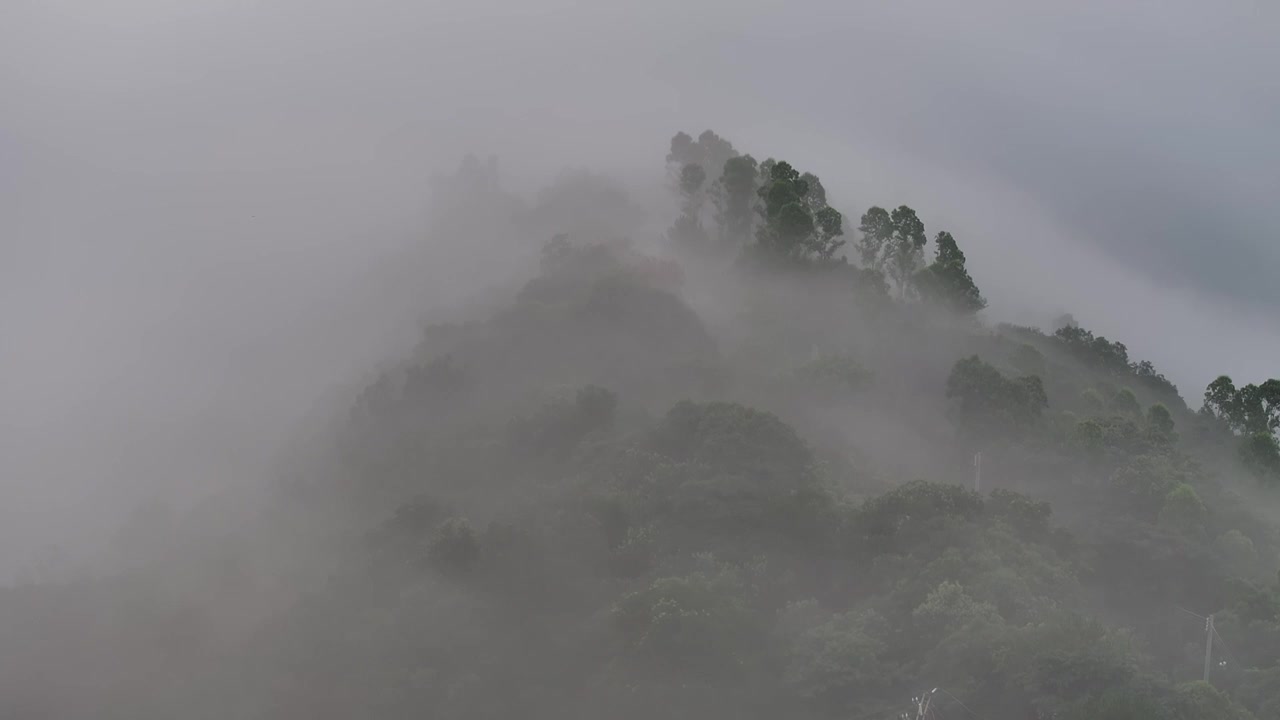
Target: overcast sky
pixel 202 204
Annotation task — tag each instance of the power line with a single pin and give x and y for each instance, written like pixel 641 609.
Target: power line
pixel 1226 649
pixel 1194 615
pixel 961 702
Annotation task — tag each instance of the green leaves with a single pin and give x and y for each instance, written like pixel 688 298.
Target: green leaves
pixel 1254 412
pixel 840 661
pixel 893 243
pixel 737 187
pixel 698 623
pixel 1260 453
pixel 946 282
pixel 798 224
pixel 991 404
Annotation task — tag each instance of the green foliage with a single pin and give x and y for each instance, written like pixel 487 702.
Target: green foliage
pixel 1109 438
pixel 1252 409
pixel 834 372
pixel 1125 404
pixel 949 609
pixel 691 179
pixel 738 185
pixel 902 516
pixel 697 623
pixel 1093 400
pixel 1144 484
pixel 837 663
pixel 1160 423
pixel 991 404
pixel 795 223
pixel 1098 352
pixel 737 470
pixel 946 282
pixel 1260 692
pixel 709 152
pixel 688 229
pixel 556 427
pixel 1201 701
pixel 893 243
pixel 1237 549
pixel 1183 510
pixel 1025 515
pixel 1057 662
pixel 1260 453
pixel 1121 704
pixel 1027 360
pixel 1157 384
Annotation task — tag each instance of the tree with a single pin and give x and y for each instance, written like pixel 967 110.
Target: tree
pixel 834 373
pixel 1183 510
pixel 1097 351
pixel 1261 691
pixel 1262 406
pixel 1121 704
pixel 895 520
pixel 710 151
pixel 893 243
pixel 1125 403
pixel 688 229
pixel 697 623
pixel 1027 516
pixel 1142 485
pixel 796 221
pixel 946 282
pixel 876 227
pixel 1201 701
pixel 1028 360
pixel 836 663
pixel 829 226
pixel 1220 400
pixel 691 179
pixel 991 404
pixel 736 188
pixel 1160 423
pixel 1260 452
pixel 907 248
pixel 1250 409
pixel 948 608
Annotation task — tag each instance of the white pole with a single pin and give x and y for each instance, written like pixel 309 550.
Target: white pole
pixel 1208 645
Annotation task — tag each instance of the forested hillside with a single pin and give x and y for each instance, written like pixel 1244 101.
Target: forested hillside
pixel 777 464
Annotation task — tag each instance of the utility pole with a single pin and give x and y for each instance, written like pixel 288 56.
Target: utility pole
pixel 1208 645
pixel 977 472
pixel 922 705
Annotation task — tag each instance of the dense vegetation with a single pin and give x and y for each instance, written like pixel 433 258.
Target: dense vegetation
pixel 610 496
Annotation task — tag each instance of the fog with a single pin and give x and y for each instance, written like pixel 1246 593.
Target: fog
pixel 216 219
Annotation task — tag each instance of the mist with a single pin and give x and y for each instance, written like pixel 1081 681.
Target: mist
pixel 223 223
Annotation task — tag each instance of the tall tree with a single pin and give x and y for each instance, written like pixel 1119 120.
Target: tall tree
pixel 736 189
pixel 1250 409
pixel 709 151
pixel 946 281
pixel 893 243
pixel 796 222
pixel 688 229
